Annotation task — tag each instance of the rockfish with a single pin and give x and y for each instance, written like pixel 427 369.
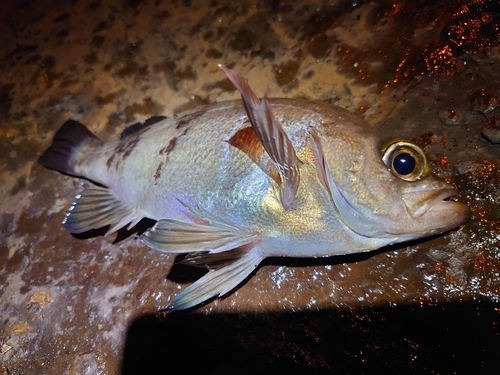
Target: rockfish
pixel 238 181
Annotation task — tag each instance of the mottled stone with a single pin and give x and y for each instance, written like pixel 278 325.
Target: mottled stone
pixel 88 304
pixel 492 135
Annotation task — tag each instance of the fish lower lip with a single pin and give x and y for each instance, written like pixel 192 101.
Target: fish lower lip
pixel 456 212
pixel 427 200
pixel 442 197
pixel 460 210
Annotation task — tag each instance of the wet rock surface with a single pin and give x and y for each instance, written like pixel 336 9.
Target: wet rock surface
pixel 88 304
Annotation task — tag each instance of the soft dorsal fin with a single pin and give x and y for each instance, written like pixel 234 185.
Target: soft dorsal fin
pixel 141 125
pixel 271 135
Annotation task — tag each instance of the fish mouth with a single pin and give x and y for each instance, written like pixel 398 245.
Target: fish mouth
pixel 420 203
pixel 437 200
pixel 461 210
pixel 433 211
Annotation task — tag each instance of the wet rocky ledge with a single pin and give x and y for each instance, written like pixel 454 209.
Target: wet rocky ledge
pixel 90 304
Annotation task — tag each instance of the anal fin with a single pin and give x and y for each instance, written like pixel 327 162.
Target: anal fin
pixel 217 282
pixel 97 207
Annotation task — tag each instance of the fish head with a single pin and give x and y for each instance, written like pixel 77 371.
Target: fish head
pixel 387 190
pixel 421 198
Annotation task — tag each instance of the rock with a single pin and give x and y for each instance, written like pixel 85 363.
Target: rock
pixel 492 135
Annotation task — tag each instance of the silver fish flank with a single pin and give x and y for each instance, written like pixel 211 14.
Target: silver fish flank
pixel 239 181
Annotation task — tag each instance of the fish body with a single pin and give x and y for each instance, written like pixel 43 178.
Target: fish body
pixel 182 160
pixel 235 182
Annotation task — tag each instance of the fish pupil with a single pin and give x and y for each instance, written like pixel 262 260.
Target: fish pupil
pixel 404 164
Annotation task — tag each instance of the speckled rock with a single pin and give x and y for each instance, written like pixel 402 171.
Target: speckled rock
pixel 88 304
pixel 492 135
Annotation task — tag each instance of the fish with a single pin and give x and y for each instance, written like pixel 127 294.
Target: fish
pixel 234 182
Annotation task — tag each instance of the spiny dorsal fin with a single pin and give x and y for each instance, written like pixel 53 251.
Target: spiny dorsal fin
pixel 271 135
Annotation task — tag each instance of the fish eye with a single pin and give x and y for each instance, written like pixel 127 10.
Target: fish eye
pixel 405 160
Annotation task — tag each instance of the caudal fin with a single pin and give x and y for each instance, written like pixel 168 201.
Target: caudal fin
pixel 68 139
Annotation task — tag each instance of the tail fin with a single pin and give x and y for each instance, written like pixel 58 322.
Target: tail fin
pixel 67 140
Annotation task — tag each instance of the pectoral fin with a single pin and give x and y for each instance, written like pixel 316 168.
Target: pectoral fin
pixel 180 237
pixel 271 135
pixel 97 207
pixel 217 282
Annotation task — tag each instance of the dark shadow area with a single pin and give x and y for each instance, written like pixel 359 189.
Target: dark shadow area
pixel 138 229
pixel 455 338
pixel 184 273
pixel 122 234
